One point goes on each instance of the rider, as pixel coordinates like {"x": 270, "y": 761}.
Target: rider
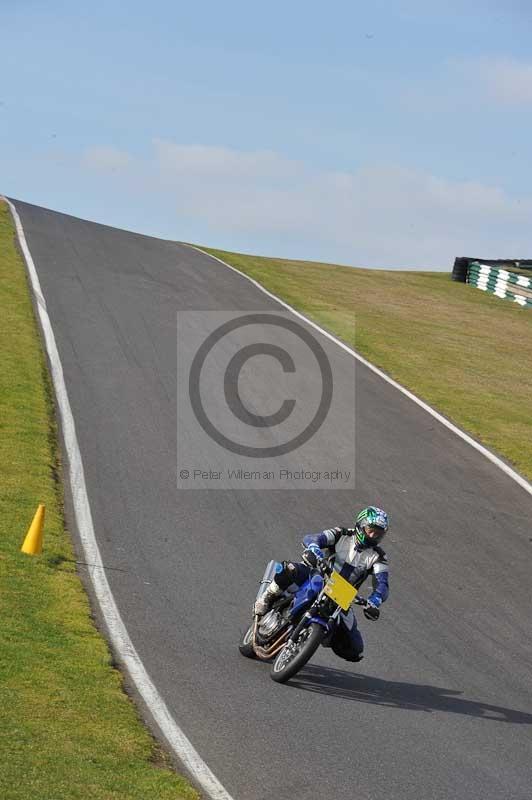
{"x": 357, "y": 555}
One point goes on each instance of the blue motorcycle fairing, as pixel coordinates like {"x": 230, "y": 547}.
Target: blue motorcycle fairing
{"x": 317, "y": 583}
{"x": 320, "y": 621}
{"x": 306, "y": 594}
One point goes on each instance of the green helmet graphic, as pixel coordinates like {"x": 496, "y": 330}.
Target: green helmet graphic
{"x": 371, "y": 525}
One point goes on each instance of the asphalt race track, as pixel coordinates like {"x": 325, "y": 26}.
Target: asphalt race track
{"x": 441, "y": 706}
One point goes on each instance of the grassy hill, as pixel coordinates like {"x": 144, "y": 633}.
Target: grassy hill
{"x": 467, "y": 353}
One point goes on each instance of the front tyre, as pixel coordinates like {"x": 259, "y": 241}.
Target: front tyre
{"x": 246, "y": 643}
{"x": 295, "y": 655}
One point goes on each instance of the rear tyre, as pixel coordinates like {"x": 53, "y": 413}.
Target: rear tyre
{"x": 295, "y": 655}
{"x": 246, "y": 643}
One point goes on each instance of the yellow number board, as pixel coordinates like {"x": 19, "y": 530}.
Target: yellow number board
{"x": 340, "y": 590}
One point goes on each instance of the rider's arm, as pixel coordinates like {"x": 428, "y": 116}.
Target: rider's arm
{"x": 327, "y": 538}
{"x": 380, "y": 582}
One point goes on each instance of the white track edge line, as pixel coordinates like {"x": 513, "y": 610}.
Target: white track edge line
{"x": 123, "y": 645}
{"x": 444, "y": 421}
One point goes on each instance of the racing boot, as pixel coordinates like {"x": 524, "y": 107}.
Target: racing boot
{"x": 263, "y": 603}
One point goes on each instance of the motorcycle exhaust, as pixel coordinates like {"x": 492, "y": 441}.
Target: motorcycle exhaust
{"x": 265, "y": 653}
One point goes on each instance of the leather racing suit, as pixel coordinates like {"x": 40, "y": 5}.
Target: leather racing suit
{"x": 355, "y": 564}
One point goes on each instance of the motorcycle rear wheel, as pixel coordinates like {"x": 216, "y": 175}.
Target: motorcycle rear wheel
{"x": 246, "y": 643}
{"x": 295, "y": 655}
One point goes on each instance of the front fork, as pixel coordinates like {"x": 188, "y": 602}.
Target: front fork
{"x": 309, "y": 617}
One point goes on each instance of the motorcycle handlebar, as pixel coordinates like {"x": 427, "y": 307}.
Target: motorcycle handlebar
{"x": 324, "y": 566}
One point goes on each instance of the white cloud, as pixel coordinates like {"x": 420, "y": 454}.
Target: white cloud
{"x": 504, "y": 81}
{"x": 381, "y": 215}
{"x": 224, "y": 162}
{"x": 106, "y": 159}
{"x": 507, "y": 81}
{"x": 469, "y": 85}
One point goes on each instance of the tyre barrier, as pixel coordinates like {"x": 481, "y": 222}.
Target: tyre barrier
{"x": 500, "y": 282}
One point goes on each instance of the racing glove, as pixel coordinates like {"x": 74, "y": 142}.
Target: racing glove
{"x": 371, "y": 611}
{"x": 312, "y": 555}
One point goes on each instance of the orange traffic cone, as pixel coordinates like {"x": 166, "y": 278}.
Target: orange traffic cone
{"x": 33, "y": 542}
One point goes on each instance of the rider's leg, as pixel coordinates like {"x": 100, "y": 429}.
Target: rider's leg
{"x": 289, "y": 576}
{"x": 347, "y": 640}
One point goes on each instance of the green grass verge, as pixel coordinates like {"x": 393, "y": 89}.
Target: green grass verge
{"x": 467, "y": 353}
{"x": 67, "y": 728}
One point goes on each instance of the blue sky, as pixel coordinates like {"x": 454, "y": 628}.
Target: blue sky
{"x": 396, "y": 135}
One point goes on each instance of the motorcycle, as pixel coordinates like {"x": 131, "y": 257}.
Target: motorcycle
{"x": 295, "y": 626}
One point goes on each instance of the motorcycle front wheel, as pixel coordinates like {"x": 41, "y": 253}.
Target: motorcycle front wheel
{"x": 295, "y": 655}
